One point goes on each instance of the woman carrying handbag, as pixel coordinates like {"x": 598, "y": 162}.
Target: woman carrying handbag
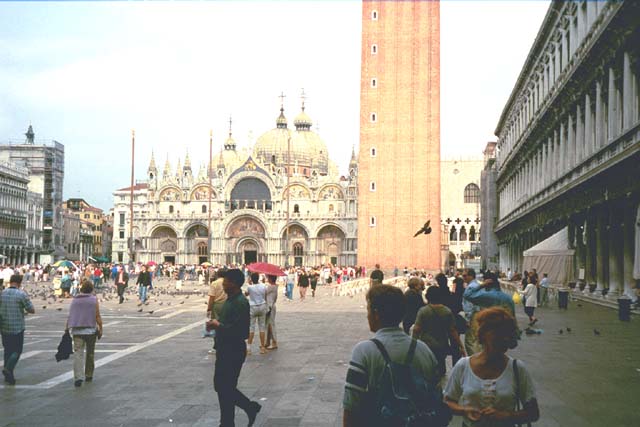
{"x": 486, "y": 389}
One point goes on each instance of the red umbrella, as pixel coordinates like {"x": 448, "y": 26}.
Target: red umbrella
{"x": 152, "y": 263}
{"x": 266, "y": 268}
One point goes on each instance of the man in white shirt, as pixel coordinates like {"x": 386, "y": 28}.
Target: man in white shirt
{"x": 6, "y": 276}
{"x": 544, "y": 290}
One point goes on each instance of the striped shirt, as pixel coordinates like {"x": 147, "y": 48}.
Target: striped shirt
{"x": 367, "y": 364}
{"x": 13, "y": 304}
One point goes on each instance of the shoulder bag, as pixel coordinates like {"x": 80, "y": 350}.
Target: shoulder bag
{"x": 517, "y": 377}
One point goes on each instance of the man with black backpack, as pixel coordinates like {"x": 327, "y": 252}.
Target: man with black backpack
{"x": 392, "y": 378}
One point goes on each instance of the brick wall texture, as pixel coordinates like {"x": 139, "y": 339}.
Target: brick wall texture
{"x": 405, "y": 135}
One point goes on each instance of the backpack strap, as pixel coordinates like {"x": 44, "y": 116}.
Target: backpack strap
{"x": 412, "y": 352}
{"x": 517, "y": 380}
{"x": 382, "y": 350}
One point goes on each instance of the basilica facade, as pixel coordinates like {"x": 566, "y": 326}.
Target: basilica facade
{"x": 282, "y": 201}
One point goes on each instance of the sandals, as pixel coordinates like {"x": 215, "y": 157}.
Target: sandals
{"x": 263, "y": 350}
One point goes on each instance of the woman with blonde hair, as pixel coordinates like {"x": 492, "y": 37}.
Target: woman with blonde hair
{"x": 490, "y": 389}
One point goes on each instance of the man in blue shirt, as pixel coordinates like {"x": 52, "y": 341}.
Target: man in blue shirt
{"x": 470, "y": 340}
{"x": 481, "y": 296}
{"x": 14, "y": 302}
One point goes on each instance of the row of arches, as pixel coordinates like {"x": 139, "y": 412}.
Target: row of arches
{"x": 245, "y": 240}
{"x": 246, "y": 224}
{"x": 462, "y": 235}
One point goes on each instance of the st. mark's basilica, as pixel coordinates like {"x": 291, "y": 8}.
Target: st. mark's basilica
{"x": 281, "y": 201}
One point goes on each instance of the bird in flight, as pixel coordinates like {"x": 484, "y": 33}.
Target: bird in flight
{"x": 426, "y": 229}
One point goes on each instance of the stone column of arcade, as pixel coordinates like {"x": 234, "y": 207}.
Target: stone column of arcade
{"x": 602, "y": 249}
{"x": 616, "y": 243}
{"x": 589, "y": 244}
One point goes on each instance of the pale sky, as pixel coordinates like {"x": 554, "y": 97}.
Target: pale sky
{"x": 85, "y": 74}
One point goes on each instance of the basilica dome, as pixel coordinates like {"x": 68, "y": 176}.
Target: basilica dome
{"x": 306, "y": 147}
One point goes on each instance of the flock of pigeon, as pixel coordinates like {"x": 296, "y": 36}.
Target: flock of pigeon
{"x": 161, "y": 294}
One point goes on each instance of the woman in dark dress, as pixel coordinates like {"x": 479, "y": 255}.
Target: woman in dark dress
{"x": 414, "y": 300}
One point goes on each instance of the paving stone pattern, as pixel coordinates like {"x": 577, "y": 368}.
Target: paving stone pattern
{"x": 582, "y": 379}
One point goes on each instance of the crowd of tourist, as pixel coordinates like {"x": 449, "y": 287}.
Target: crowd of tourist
{"x": 415, "y": 332}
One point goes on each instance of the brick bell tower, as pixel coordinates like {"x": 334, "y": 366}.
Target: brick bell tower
{"x": 399, "y": 156}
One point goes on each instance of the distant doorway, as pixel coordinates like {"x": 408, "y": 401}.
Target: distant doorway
{"x": 202, "y": 259}
{"x": 170, "y": 259}
{"x": 250, "y": 257}
{"x": 334, "y": 260}
{"x": 297, "y": 261}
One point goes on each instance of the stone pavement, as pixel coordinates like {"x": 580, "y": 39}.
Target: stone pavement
{"x": 154, "y": 370}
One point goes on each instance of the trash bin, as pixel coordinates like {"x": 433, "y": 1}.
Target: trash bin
{"x": 563, "y": 298}
{"x": 624, "y": 308}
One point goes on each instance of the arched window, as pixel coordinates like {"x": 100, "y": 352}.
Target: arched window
{"x": 471, "y": 194}
{"x": 453, "y": 235}
{"x": 202, "y": 249}
{"x": 204, "y": 208}
{"x": 170, "y": 208}
{"x": 298, "y": 249}
{"x": 296, "y": 209}
{"x": 463, "y": 234}
{"x": 472, "y": 234}
{"x": 374, "y": 15}
{"x": 250, "y": 193}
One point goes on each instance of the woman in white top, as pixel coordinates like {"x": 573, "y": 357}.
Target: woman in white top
{"x": 488, "y": 388}
{"x": 257, "y": 293}
{"x": 530, "y": 300}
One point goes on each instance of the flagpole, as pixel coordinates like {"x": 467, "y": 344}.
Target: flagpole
{"x": 210, "y": 191}
{"x": 131, "y": 243}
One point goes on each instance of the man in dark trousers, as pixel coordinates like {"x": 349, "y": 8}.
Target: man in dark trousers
{"x": 121, "y": 280}
{"x": 14, "y": 303}
{"x": 232, "y": 329}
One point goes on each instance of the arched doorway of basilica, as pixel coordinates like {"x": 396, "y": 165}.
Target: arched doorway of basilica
{"x": 330, "y": 243}
{"x": 164, "y": 244}
{"x": 248, "y": 249}
{"x": 296, "y": 243}
{"x": 196, "y": 244}
{"x": 245, "y": 241}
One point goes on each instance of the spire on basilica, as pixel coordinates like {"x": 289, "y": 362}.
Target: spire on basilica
{"x": 167, "y": 169}
{"x": 187, "y": 162}
{"x": 302, "y": 120}
{"x": 281, "y": 121}
{"x": 152, "y": 164}
{"x": 230, "y": 144}
{"x": 354, "y": 161}
{"x": 179, "y": 169}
